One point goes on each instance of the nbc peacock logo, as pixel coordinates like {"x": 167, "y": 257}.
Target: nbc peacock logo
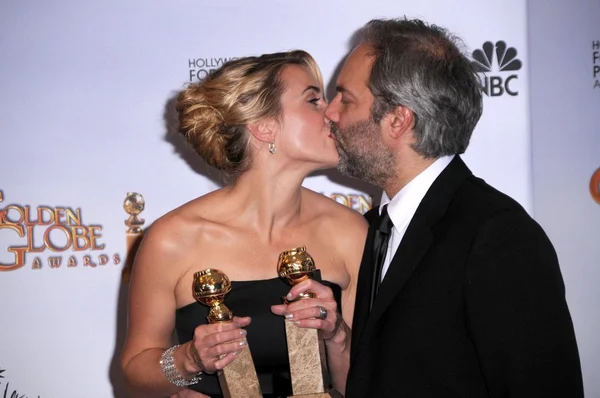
{"x": 502, "y": 64}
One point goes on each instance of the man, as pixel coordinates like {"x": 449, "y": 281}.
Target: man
{"x": 471, "y": 301}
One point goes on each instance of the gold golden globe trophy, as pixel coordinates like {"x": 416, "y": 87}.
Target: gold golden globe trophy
{"x": 306, "y": 349}
{"x": 238, "y": 379}
{"x": 133, "y": 204}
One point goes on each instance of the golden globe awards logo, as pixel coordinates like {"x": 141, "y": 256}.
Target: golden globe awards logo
{"x": 595, "y": 186}
{"x": 199, "y": 68}
{"x": 360, "y": 203}
{"x": 596, "y": 63}
{"x": 51, "y": 229}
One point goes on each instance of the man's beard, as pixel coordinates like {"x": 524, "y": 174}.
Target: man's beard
{"x": 363, "y": 154}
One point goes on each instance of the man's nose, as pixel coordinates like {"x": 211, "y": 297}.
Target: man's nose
{"x": 331, "y": 112}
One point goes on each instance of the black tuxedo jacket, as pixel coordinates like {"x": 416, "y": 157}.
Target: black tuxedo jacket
{"x": 472, "y": 305}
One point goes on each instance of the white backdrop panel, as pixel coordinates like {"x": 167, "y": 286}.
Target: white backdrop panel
{"x": 565, "y": 113}
{"x": 86, "y": 91}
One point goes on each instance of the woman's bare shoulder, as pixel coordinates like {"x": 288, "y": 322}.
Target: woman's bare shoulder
{"x": 338, "y": 215}
{"x": 184, "y": 225}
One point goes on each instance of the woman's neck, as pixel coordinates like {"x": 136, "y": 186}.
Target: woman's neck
{"x": 269, "y": 200}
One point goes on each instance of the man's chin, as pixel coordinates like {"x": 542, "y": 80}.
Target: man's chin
{"x": 344, "y": 170}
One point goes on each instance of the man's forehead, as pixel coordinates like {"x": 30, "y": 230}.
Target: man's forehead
{"x": 357, "y": 66}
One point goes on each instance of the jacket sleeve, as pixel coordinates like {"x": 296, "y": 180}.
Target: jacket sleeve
{"x": 516, "y": 311}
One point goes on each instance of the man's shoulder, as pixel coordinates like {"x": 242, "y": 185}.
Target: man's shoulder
{"x": 477, "y": 196}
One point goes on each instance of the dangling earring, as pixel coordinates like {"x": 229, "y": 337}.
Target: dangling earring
{"x": 272, "y": 148}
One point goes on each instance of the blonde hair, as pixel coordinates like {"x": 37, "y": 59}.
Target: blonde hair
{"x": 214, "y": 113}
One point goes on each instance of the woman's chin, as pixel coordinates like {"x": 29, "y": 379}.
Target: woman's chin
{"x": 330, "y": 164}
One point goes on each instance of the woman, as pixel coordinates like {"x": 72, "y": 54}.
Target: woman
{"x": 261, "y": 120}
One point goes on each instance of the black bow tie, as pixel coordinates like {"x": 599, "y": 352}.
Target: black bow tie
{"x": 380, "y": 246}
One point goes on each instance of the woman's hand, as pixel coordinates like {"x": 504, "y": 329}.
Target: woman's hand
{"x": 216, "y": 345}
{"x": 320, "y": 312}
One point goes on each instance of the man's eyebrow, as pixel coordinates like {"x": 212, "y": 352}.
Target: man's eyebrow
{"x": 343, "y": 90}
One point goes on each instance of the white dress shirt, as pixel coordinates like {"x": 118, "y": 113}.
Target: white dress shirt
{"x": 403, "y": 206}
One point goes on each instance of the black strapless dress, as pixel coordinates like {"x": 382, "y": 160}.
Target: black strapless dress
{"x": 266, "y": 332}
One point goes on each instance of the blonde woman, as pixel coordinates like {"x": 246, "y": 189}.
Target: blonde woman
{"x": 261, "y": 120}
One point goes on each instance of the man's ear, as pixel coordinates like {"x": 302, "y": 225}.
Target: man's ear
{"x": 264, "y": 130}
{"x": 400, "y": 121}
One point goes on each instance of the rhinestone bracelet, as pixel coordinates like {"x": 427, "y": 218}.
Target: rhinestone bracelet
{"x": 167, "y": 363}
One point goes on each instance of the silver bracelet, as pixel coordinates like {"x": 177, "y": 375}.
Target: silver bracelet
{"x": 167, "y": 363}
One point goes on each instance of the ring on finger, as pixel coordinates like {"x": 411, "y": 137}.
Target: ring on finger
{"x": 322, "y": 312}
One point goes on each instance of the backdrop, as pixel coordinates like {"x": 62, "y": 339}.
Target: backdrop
{"x": 565, "y": 114}
{"x": 86, "y": 108}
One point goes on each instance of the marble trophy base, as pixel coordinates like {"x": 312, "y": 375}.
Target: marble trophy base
{"x": 306, "y": 352}
{"x": 239, "y": 379}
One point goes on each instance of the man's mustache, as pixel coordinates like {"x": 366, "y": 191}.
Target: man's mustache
{"x": 334, "y": 128}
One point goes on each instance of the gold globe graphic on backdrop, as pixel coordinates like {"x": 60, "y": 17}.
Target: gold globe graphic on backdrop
{"x": 134, "y": 204}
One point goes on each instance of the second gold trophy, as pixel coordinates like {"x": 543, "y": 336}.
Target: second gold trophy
{"x": 306, "y": 349}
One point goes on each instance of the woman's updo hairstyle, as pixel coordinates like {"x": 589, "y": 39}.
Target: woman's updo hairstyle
{"x": 214, "y": 113}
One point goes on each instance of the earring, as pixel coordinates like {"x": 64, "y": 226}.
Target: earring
{"x": 272, "y": 148}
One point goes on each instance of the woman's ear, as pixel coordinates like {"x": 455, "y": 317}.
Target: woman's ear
{"x": 263, "y": 130}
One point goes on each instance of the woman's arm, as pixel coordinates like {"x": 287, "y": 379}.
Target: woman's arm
{"x": 159, "y": 263}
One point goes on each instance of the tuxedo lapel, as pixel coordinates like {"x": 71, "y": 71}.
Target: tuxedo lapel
{"x": 416, "y": 241}
{"x": 415, "y": 244}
